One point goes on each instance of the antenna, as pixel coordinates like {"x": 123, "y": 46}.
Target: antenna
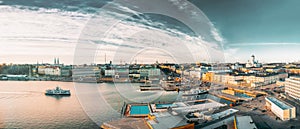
{"x": 105, "y": 59}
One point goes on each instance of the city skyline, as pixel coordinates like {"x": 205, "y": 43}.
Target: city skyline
{"x": 150, "y": 64}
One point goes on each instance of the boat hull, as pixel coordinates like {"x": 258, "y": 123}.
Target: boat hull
{"x": 57, "y": 94}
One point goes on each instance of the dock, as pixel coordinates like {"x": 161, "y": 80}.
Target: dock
{"x": 249, "y": 93}
{"x": 228, "y": 97}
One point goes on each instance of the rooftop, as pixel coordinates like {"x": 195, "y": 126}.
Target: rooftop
{"x": 126, "y": 123}
{"x": 209, "y": 104}
{"x": 165, "y": 120}
{"x": 223, "y": 114}
{"x": 245, "y": 122}
{"x": 280, "y": 104}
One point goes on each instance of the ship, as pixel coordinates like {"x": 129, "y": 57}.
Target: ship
{"x": 58, "y": 91}
{"x": 148, "y": 86}
{"x": 195, "y": 92}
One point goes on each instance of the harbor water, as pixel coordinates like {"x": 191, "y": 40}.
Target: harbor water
{"x": 24, "y": 104}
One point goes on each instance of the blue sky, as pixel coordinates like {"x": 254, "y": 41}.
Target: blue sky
{"x": 254, "y": 21}
{"x": 269, "y": 29}
{"x": 37, "y": 31}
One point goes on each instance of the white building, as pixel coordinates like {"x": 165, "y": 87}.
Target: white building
{"x": 280, "y": 109}
{"x": 41, "y": 70}
{"x": 109, "y": 72}
{"x": 52, "y": 70}
{"x": 292, "y": 87}
{"x": 253, "y": 63}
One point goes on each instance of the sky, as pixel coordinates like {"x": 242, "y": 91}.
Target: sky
{"x": 268, "y": 29}
{"x": 181, "y": 31}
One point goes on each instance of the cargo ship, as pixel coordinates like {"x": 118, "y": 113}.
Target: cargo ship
{"x": 58, "y": 91}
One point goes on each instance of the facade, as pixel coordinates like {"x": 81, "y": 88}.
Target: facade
{"x": 66, "y": 71}
{"x": 292, "y": 87}
{"x": 41, "y": 70}
{"x": 280, "y": 109}
{"x": 121, "y": 71}
{"x": 85, "y": 73}
{"x": 253, "y": 80}
{"x": 52, "y": 70}
{"x": 152, "y": 72}
{"x": 109, "y": 72}
{"x": 293, "y": 70}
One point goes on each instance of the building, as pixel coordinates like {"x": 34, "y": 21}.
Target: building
{"x": 41, "y": 70}
{"x": 253, "y": 63}
{"x": 292, "y": 87}
{"x": 280, "y": 109}
{"x": 52, "y": 70}
{"x": 16, "y": 77}
{"x": 121, "y": 71}
{"x": 129, "y": 123}
{"x": 253, "y": 80}
{"x": 149, "y": 72}
{"x": 85, "y": 73}
{"x": 66, "y": 71}
{"x": 244, "y": 122}
{"x": 109, "y": 73}
{"x": 166, "y": 120}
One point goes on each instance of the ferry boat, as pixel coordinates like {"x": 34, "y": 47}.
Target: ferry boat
{"x": 57, "y": 91}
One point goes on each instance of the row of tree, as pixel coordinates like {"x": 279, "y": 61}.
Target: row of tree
{"x": 14, "y": 69}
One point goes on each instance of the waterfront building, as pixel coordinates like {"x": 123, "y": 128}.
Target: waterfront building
{"x": 52, "y": 70}
{"x": 292, "y": 87}
{"x": 109, "y": 72}
{"x": 149, "y": 72}
{"x": 66, "y": 71}
{"x": 282, "y": 110}
{"x": 121, "y": 71}
{"x": 134, "y": 72}
{"x": 41, "y": 70}
{"x": 83, "y": 73}
{"x": 16, "y": 77}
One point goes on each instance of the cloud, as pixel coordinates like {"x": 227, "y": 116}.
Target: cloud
{"x": 215, "y": 33}
{"x": 26, "y": 26}
{"x": 230, "y": 54}
{"x": 262, "y": 44}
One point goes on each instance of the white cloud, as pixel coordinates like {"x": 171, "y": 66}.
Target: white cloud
{"x": 217, "y": 35}
{"x": 231, "y": 55}
{"x": 262, "y": 44}
{"x": 60, "y": 27}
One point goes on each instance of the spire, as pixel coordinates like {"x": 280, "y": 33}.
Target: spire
{"x": 54, "y": 60}
{"x": 105, "y": 59}
{"x": 57, "y": 61}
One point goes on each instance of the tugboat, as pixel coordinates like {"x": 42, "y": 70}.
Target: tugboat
{"x": 58, "y": 91}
